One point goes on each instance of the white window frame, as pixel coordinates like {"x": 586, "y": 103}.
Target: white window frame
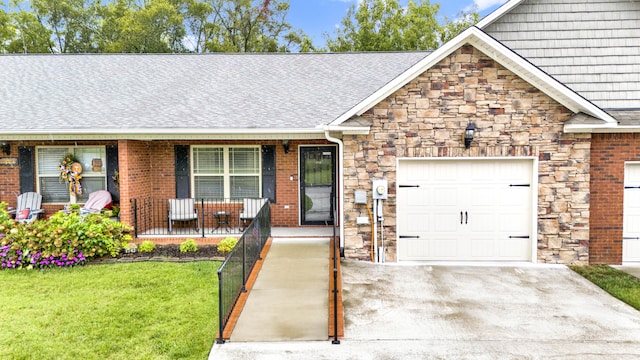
{"x": 226, "y": 174}
{"x": 86, "y": 173}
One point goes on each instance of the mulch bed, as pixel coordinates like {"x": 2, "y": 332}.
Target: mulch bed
{"x": 167, "y": 253}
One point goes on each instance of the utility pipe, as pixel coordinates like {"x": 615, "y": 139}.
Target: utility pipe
{"x": 341, "y": 183}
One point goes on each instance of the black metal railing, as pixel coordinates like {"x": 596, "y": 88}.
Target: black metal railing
{"x": 193, "y": 216}
{"x": 335, "y": 259}
{"x": 235, "y": 271}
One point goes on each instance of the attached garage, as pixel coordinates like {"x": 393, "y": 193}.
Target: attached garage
{"x": 466, "y": 209}
{"x": 631, "y": 221}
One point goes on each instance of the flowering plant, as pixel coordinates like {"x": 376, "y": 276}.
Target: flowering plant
{"x": 63, "y": 240}
{"x": 70, "y": 170}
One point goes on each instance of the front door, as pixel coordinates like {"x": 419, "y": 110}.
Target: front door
{"x": 317, "y": 184}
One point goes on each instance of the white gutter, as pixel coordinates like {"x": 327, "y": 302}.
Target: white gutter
{"x": 341, "y": 187}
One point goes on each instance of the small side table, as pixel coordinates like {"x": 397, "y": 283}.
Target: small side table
{"x": 222, "y": 219}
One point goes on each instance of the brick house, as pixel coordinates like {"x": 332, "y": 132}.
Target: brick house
{"x": 380, "y": 134}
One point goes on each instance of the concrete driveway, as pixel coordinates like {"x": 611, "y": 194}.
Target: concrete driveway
{"x": 466, "y": 312}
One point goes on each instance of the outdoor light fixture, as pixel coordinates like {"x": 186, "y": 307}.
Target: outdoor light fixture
{"x": 6, "y": 147}
{"x": 468, "y": 135}
{"x": 285, "y": 146}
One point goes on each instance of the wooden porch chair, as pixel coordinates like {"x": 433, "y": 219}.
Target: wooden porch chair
{"x": 250, "y": 209}
{"x": 183, "y": 210}
{"x": 28, "y": 208}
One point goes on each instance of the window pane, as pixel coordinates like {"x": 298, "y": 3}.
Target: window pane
{"x": 89, "y": 185}
{"x": 49, "y": 160}
{"x": 244, "y": 187}
{"x": 209, "y": 187}
{"x": 53, "y": 191}
{"x": 208, "y": 161}
{"x": 244, "y": 160}
{"x": 86, "y": 155}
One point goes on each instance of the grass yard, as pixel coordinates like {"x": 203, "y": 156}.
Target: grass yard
{"x": 147, "y": 310}
{"x": 617, "y": 283}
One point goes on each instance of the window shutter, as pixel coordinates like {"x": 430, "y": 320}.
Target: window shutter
{"x": 26, "y": 163}
{"x": 182, "y": 171}
{"x": 269, "y": 172}
{"x": 112, "y": 167}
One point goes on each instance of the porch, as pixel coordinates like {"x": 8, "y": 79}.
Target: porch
{"x": 202, "y": 218}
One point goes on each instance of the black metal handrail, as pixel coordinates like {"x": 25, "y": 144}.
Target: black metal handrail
{"x": 236, "y": 269}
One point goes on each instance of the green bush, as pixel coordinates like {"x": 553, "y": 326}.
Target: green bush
{"x": 65, "y": 239}
{"x": 227, "y": 244}
{"x": 188, "y": 245}
{"x": 146, "y": 246}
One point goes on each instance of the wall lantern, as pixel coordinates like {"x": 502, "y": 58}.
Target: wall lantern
{"x": 6, "y": 147}
{"x": 469, "y": 132}
{"x": 285, "y": 146}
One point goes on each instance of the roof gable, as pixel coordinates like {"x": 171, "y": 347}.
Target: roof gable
{"x": 500, "y": 54}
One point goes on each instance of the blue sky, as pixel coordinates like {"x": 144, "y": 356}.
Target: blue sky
{"x": 316, "y": 17}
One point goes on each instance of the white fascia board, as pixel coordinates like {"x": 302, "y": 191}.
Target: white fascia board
{"x": 608, "y": 129}
{"x": 497, "y": 13}
{"x": 165, "y": 134}
{"x": 499, "y": 53}
{"x": 349, "y": 130}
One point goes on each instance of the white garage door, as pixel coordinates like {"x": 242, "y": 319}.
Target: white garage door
{"x": 464, "y": 210}
{"x": 631, "y": 221}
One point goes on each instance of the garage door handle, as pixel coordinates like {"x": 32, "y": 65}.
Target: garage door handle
{"x": 519, "y": 237}
{"x": 466, "y": 217}
{"x": 632, "y": 187}
{"x": 461, "y": 218}
{"x": 630, "y": 238}
{"x": 409, "y": 237}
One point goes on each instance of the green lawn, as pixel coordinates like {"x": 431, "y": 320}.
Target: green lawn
{"x": 617, "y": 283}
{"x": 147, "y": 310}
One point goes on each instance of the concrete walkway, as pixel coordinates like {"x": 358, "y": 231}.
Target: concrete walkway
{"x": 289, "y": 300}
{"x": 466, "y": 312}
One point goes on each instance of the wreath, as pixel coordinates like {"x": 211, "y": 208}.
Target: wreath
{"x": 70, "y": 170}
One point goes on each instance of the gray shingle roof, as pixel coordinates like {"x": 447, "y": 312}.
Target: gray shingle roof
{"x": 120, "y": 93}
{"x": 592, "y": 46}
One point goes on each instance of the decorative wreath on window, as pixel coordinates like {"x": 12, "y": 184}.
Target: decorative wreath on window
{"x": 70, "y": 170}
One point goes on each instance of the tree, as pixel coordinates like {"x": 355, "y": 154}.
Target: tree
{"x": 152, "y": 26}
{"x": 384, "y": 25}
{"x": 72, "y": 23}
{"x": 156, "y": 26}
{"x": 242, "y": 26}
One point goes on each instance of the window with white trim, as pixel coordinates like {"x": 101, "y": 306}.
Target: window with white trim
{"x": 93, "y": 178}
{"x": 226, "y": 172}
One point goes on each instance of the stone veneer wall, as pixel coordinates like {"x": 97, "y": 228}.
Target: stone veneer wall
{"x": 426, "y": 118}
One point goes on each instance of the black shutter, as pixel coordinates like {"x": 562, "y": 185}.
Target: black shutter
{"x": 112, "y": 167}
{"x": 182, "y": 171}
{"x": 26, "y": 157}
{"x": 269, "y": 172}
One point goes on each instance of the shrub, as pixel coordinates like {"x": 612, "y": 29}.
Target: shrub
{"x": 227, "y": 244}
{"x": 65, "y": 239}
{"x": 146, "y": 246}
{"x": 188, "y": 245}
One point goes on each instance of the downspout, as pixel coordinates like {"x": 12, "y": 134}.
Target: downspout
{"x": 341, "y": 186}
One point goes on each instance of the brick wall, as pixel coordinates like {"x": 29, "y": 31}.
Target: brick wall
{"x": 609, "y": 153}
{"x": 426, "y": 118}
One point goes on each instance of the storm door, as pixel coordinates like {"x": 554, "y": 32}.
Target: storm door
{"x": 317, "y": 184}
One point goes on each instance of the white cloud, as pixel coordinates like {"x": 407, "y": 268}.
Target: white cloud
{"x": 484, "y": 4}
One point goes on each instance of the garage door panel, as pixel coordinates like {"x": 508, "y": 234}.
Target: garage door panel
{"x": 492, "y": 210}
{"x": 631, "y": 218}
